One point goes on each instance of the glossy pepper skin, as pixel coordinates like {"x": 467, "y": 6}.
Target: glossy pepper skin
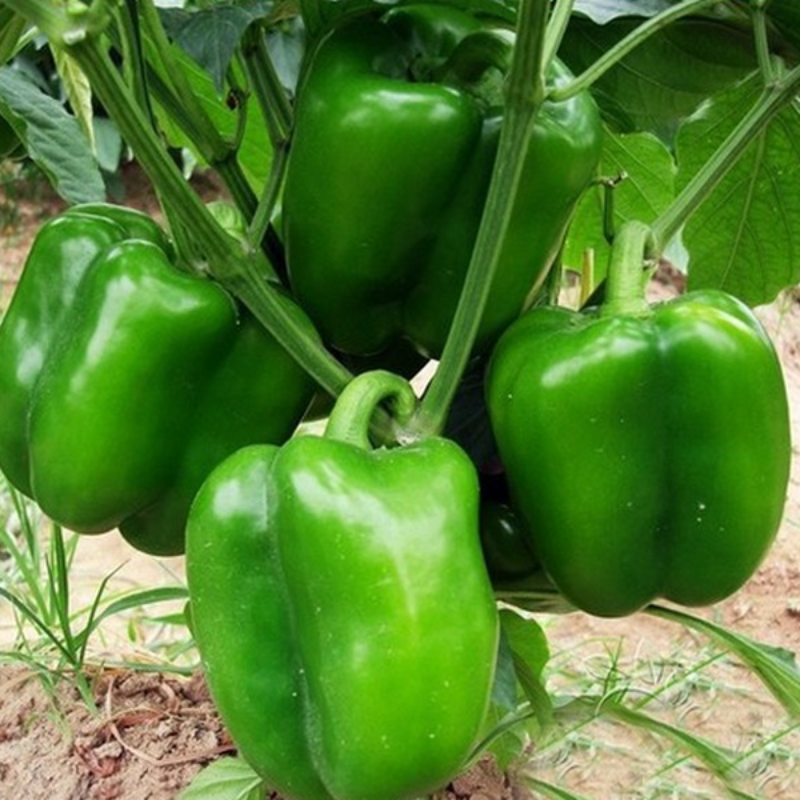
{"x": 396, "y": 130}
{"x": 343, "y": 613}
{"x": 648, "y": 455}
{"x": 124, "y": 381}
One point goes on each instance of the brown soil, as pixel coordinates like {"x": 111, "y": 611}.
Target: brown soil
{"x": 151, "y": 732}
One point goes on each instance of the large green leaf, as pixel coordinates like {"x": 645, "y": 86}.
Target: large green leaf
{"x": 745, "y": 238}
{"x": 52, "y": 137}
{"x": 647, "y": 188}
{"x": 665, "y": 79}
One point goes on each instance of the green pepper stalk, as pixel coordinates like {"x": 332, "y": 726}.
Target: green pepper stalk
{"x": 525, "y": 95}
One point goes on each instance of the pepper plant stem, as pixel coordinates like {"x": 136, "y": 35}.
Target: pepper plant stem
{"x": 240, "y": 272}
{"x": 630, "y": 42}
{"x": 269, "y": 92}
{"x": 524, "y": 97}
{"x": 278, "y": 113}
{"x": 775, "y": 96}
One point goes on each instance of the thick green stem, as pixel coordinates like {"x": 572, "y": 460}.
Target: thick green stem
{"x": 132, "y": 60}
{"x": 355, "y": 409}
{"x": 160, "y": 168}
{"x": 524, "y": 97}
{"x": 621, "y": 49}
{"x": 219, "y": 155}
{"x": 627, "y": 276}
{"x": 239, "y": 271}
{"x": 774, "y": 98}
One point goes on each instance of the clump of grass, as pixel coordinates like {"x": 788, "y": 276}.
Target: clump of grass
{"x": 718, "y": 716}
{"x": 50, "y": 636}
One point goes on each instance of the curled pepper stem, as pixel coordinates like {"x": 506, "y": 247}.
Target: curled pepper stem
{"x": 627, "y": 273}
{"x": 352, "y": 416}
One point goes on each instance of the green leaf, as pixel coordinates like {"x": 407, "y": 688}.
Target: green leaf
{"x": 504, "y": 689}
{"x": 77, "y": 89}
{"x": 603, "y": 11}
{"x": 527, "y": 640}
{"x": 286, "y": 44}
{"x": 785, "y": 16}
{"x": 225, "y": 779}
{"x": 108, "y": 144}
{"x": 528, "y": 645}
{"x": 665, "y": 79}
{"x": 776, "y": 667}
{"x": 745, "y": 238}
{"x": 645, "y": 192}
{"x": 53, "y": 138}
{"x": 210, "y": 36}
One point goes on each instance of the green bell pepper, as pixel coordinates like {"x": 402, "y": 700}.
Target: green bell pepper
{"x": 647, "y": 448}
{"x": 342, "y": 607}
{"x": 396, "y": 131}
{"x": 504, "y": 543}
{"x": 124, "y": 381}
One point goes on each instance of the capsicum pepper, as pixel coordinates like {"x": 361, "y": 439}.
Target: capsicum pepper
{"x": 123, "y": 380}
{"x": 396, "y": 130}
{"x": 647, "y": 448}
{"x": 342, "y": 607}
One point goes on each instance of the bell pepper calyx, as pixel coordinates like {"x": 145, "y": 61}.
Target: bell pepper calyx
{"x": 352, "y": 415}
{"x": 629, "y": 269}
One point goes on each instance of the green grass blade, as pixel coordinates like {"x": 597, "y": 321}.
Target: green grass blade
{"x": 715, "y": 758}
{"x": 549, "y": 790}
{"x": 58, "y": 573}
{"x": 83, "y": 637}
{"x": 138, "y": 599}
{"x": 22, "y": 506}
{"x": 25, "y": 561}
{"x": 776, "y": 668}
{"x": 36, "y": 620}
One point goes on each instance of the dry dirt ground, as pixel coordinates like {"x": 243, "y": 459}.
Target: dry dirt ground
{"x": 150, "y": 732}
